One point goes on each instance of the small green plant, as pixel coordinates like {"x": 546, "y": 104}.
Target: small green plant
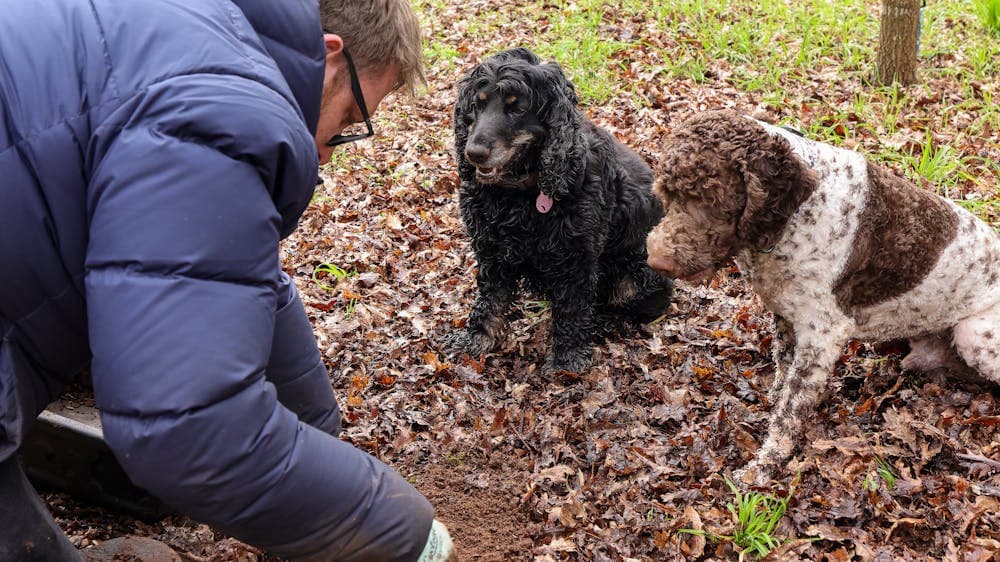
{"x": 983, "y": 59}
{"x": 441, "y": 55}
{"x": 882, "y": 472}
{"x": 989, "y": 14}
{"x": 757, "y": 516}
{"x": 870, "y": 483}
{"x": 694, "y": 67}
{"x": 939, "y": 165}
{"x": 936, "y": 164}
{"x": 327, "y": 270}
{"x": 534, "y": 309}
{"x": 352, "y": 305}
{"x": 895, "y": 101}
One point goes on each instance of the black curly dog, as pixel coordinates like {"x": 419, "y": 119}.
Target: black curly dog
{"x": 551, "y": 200}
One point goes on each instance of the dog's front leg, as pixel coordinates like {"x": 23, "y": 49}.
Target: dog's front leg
{"x": 803, "y": 385}
{"x": 782, "y": 353}
{"x": 572, "y": 323}
{"x": 495, "y": 291}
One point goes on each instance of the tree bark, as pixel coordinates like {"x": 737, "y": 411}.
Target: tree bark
{"x": 898, "y": 39}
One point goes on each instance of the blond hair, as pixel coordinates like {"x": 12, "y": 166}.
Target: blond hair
{"x": 379, "y": 33}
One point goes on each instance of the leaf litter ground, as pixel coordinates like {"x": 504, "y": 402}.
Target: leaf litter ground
{"x": 609, "y": 465}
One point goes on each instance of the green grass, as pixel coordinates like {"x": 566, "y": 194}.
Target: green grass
{"x": 783, "y": 41}
{"x": 810, "y": 61}
{"x": 985, "y": 59}
{"x": 455, "y": 458}
{"x": 771, "y": 37}
{"x": 938, "y": 164}
{"x": 988, "y": 12}
{"x": 756, "y": 517}
{"x": 588, "y": 55}
{"x": 770, "y": 46}
{"x": 988, "y": 210}
{"x": 894, "y": 103}
{"x": 692, "y": 66}
{"x": 441, "y": 55}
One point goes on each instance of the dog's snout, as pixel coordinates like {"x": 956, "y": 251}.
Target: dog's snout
{"x": 661, "y": 250}
{"x": 665, "y": 264}
{"x": 477, "y": 153}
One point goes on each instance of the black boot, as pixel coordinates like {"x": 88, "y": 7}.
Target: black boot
{"x": 28, "y": 533}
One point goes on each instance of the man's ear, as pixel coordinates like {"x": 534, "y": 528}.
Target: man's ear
{"x": 334, "y": 50}
{"x": 334, "y": 44}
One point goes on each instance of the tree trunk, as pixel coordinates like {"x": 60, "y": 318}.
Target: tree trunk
{"x": 897, "y": 43}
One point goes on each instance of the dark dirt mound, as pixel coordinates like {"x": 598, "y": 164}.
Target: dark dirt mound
{"x": 481, "y": 508}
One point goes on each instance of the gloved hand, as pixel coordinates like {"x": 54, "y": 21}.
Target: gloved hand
{"x": 439, "y": 547}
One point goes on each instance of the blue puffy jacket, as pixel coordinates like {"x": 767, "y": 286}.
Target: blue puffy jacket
{"x": 152, "y": 155}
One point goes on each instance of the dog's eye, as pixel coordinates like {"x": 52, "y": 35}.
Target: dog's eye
{"x": 512, "y": 105}
{"x": 479, "y": 102}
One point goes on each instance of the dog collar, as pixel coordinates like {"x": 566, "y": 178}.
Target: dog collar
{"x": 801, "y": 146}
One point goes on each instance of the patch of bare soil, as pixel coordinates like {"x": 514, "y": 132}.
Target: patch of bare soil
{"x": 480, "y": 505}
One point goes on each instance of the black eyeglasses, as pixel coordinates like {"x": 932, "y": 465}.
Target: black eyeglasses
{"x": 359, "y": 98}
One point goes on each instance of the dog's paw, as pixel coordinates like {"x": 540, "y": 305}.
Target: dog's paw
{"x": 654, "y": 304}
{"x": 577, "y": 360}
{"x": 473, "y": 343}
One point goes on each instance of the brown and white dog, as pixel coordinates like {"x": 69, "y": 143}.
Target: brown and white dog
{"x": 835, "y": 246}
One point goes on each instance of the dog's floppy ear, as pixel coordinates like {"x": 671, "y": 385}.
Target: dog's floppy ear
{"x": 562, "y": 152}
{"x": 756, "y": 198}
{"x": 776, "y": 183}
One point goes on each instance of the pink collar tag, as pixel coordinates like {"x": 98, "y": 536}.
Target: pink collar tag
{"x": 543, "y": 203}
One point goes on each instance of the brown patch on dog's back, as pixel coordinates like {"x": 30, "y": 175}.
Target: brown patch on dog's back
{"x": 901, "y": 234}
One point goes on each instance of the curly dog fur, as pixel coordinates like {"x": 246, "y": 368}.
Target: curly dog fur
{"x": 552, "y": 201}
{"x": 835, "y": 246}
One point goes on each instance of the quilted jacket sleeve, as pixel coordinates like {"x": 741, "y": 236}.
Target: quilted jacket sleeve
{"x": 295, "y": 367}
{"x": 188, "y": 312}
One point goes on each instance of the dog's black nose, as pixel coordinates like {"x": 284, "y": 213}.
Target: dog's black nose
{"x": 477, "y": 153}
